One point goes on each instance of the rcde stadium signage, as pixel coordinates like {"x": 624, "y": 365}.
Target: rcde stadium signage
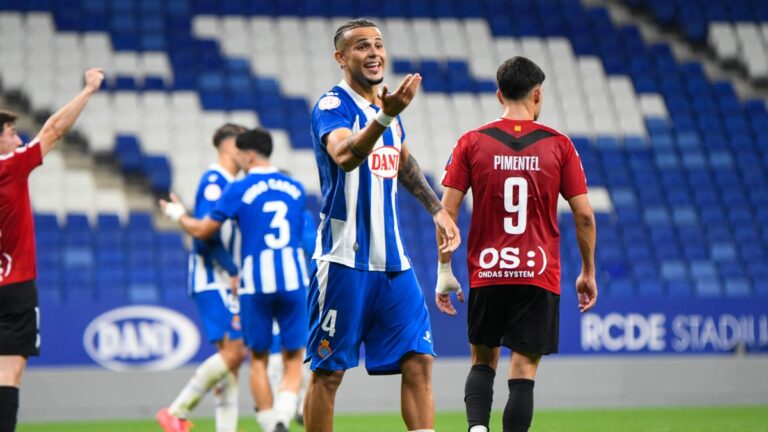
{"x": 691, "y": 326}
{"x": 682, "y": 333}
{"x": 146, "y": 338}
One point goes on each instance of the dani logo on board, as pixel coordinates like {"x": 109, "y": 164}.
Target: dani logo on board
{"x": 145, "y": 338}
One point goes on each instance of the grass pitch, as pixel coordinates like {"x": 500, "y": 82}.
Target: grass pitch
{"x": 707, "y": 419}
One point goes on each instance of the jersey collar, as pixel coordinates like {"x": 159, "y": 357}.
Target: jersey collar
{"x": 360, "y": 101}
{"x": 224, "y": 173}
{"x": 263, "y": 170}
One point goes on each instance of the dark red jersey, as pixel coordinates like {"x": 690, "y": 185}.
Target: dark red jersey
{"x": 17, "y": 232}
{"x": 517, "y": 170}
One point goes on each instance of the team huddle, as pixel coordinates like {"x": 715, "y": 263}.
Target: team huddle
{"x": 264, "y": 290}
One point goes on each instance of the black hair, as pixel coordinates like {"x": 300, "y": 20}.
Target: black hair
{"x": 517, "y": 76}
{"x": 5, "y": 118}
{"x": 349, "y": 25}
{"x": 258, "y": 140}
{"x": 228, "y": 130}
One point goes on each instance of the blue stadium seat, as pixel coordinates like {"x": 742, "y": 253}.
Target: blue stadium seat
{"x": 45, "y": 222}
{"x": 621, "y": 288}
{"x": 674, "y": 271}
{"x": 77, "y": 258}
{"x": 128, "y": 152}
{"x": 708, "y": 289}
{"x": 723, "y": 252}
{"x": 703, "y": 270}
{"x": 143, "y": 293}
{"x": 680, "y": 289}
{"x": 738, "y": 287}
{"x": 651, "y": 288}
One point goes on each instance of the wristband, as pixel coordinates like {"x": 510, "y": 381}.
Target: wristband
{"x": 384, "y": 119}
{"x": 174, "y": 211}
{"x": 444, "y": 268}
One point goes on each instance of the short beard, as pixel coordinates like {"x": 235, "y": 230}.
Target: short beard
{"x": 375, "y": 82}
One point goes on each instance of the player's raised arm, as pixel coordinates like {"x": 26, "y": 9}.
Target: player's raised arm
{"x": 349, "y": 150}
{"x": 61, "y": 122}
{"x": 446, "y": 281}
{"x": 586, "y": 232}
{"x": 197, "y": 228}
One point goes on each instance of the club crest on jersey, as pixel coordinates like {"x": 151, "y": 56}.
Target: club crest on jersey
{"x": 329, "y": 102}
{"x": 212, "y": 192}
{"x": 324, "y": 350}
{"x": 384, "y": 162}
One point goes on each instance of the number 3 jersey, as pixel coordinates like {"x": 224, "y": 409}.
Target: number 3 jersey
{"x": 269, "y": 209}
{"x": 517, "y": 170}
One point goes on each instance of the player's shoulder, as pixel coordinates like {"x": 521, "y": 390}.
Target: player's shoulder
{"x": 216, "y": 174}
{"x": 472, "y": 135}
{"x": 554, "y": 132}
{"x": 331, "y": 100}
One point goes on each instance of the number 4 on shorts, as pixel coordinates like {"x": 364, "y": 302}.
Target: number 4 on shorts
{"x": 329, "y": 323}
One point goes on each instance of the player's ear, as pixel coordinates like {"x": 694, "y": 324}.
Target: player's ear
{"x": 339, "y": 57}
{"x": 537, "y": 94}
{"x": 499, "y": 96}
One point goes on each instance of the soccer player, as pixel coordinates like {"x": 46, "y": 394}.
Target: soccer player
{"x": 268, "y": 207}
{"x": 363, "y": 289}
{"x": 19, "y": 313}
{"x": 212, "y": 272}
{"x": 516, "y": 168}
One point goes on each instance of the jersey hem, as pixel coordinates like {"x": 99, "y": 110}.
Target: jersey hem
{"x": 496, "y": 283}
{"x": 361, "y": 266}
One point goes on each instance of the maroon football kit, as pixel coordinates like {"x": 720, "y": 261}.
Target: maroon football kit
{"x": 516, "y": 170}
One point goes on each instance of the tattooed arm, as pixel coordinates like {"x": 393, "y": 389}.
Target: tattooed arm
{"x": 412, "y": 177}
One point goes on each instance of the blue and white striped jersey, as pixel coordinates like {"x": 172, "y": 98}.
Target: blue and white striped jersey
{"x": 359, "y": 225}
{"x": 269, "y": 209}
{"x": 212, "y": 260}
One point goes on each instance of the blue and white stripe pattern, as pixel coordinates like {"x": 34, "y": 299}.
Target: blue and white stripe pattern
{"x": 269, "y": 209}
{"x": 359, "y": 225}
{"x": 206, "y": 272}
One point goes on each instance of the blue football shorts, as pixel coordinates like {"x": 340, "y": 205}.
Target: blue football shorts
{"x": 216, "y": 317}
{"x": 348, "y": 307}
{"x": 258, "y": 312}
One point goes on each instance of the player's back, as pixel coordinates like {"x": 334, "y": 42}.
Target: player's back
{"x": 270, "y": 216}
{"x": 517, "y": 170}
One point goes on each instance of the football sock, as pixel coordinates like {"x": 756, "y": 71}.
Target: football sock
{"x": 266, "y": 419}
{"x": 478, "y": 395}
{"x": 285, "y": 407}
{"x": 210, "y": 372}
{"x": 226, "y": 404}
{"x": 519, "y": 410}
{"x": 9, "y": 407}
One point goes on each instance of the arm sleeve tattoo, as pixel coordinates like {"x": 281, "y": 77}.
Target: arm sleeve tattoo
{"x": 411, "y": 176}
